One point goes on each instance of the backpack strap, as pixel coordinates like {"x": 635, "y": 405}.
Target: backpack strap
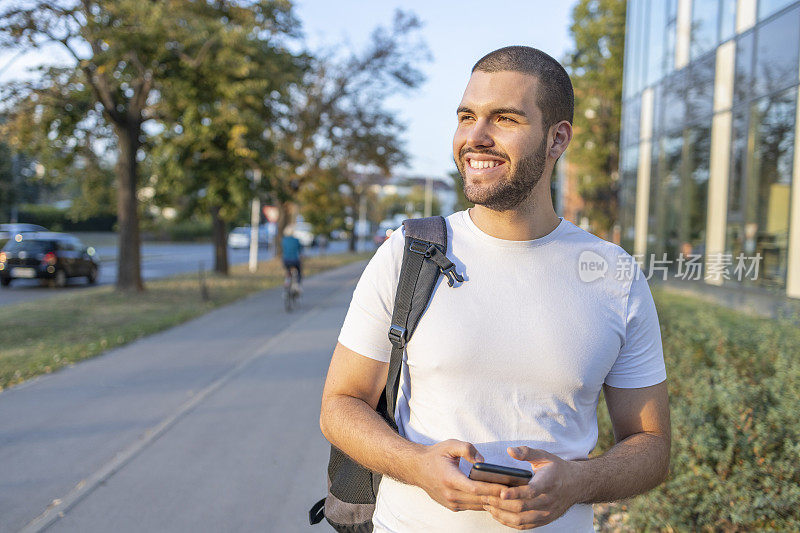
{"x": 423, "y": 260}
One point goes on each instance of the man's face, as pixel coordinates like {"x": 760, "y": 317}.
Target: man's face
{"x": 499, "y": 146}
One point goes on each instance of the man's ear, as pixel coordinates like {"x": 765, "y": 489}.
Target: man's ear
{"x": 560, "y": 135}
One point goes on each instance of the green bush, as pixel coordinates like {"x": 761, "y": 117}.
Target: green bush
{"x": 734, "y": 383}
{"x": 56, "y": 219}
{"x": 193, "y": 229}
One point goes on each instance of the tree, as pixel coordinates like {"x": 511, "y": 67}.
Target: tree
{"x": 123, "y": 49}
{"x": 595, "y": 66}
{"x": 216, "y": 116}
{"x": 341, "y": 130}
{"x": 458, "y": 184}
{"x": 54, "y": 121}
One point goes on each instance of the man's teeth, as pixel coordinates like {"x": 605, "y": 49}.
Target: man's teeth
{"x": 483, "y": 164}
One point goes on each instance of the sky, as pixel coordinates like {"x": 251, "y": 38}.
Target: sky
{"x": 457, "y": 35}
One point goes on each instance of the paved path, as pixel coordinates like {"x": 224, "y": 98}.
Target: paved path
{"x": 209, "y": 426}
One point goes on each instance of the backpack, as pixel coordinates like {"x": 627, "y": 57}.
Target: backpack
{"x": 352, "y": 489}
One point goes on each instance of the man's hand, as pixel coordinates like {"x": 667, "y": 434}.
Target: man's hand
{"x": 438, "y": 475}
{"x": 548, "y": 495}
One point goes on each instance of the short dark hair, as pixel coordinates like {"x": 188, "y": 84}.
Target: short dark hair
{"x": 556, "y": 99}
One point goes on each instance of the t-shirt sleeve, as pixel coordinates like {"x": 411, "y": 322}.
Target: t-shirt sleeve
{"x": 366, "y": 325}
{"x": 640, "y": 362}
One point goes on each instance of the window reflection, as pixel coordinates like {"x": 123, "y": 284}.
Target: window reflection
{"x": 764, "y": 227}
{"x": 743, "y": 78}
{"x": 705, "y": 26}
{"x": 675, "y": 99}
{"x": 679, "y": 193}
{"x": 695, "y": 189}
{"x": 778, "y": 46}
{"x": 700, "y": 93}
{"x": 655, "y": 63}
{"x": 768, "y": 7}
{"x": 738, "y": 166}
{"x": 665, "y": 195}
{"x": 727, "y": 18}
{"x": 631, "y": 117}
{"x": 629, "y": 163}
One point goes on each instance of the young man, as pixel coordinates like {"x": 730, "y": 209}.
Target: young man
{"x": 506, "y": 368}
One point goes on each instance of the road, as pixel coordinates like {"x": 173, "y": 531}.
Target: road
{"x": 210, "y": 426}
{"x": 159, "y": 260}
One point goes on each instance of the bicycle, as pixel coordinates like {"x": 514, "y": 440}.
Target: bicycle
{"x": 291, "y": 291}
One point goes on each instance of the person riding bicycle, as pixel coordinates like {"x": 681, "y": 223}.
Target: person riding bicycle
{"x": 292, "y": 253}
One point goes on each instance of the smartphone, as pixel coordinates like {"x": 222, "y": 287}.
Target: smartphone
{"x": 505, "y": 475}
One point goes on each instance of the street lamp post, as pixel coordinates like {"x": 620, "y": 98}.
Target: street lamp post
{"x": 255, "y": 219}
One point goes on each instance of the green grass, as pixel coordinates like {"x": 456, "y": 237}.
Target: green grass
{"x": 42, "y": 336}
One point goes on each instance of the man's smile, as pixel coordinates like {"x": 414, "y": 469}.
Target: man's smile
{"x": 483, "y": 164}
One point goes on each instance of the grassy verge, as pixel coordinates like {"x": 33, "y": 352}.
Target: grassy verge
{"x": 42, "y": 336}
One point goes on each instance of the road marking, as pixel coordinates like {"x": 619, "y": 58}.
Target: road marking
{"x": 60, "y": 506}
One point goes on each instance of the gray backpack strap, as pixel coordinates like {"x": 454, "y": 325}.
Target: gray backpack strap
{"x": 351, "y": 487}
{"x": 423, "y": 260}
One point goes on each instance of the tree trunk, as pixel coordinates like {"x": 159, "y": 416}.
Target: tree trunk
{"x": 220, "y": 239}
{"x": 129, "y": 269}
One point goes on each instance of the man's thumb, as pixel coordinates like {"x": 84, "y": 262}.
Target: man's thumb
{"x": 532, "y": 455}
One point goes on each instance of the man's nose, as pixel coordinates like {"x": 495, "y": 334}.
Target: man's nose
{"x": 479, "y": 135}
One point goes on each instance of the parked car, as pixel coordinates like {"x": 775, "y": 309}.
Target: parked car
{"x": 9, "y": 230}
{"x": 47, "y": 256}
{"x": 240, "y": 237}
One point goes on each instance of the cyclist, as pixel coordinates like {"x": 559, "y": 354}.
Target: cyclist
{"x": 292, "y": 253}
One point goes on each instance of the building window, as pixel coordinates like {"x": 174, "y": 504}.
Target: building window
{"x": 656, "y": 65}
{"x": 768, "y": 7}
{"x": 762, "y": 226}
{"x": 727, "y": 19}
{"x": 695, "y": 189}
{"x": 679, "y": 193}
{"x": 700, "y": 94}
{"x": 631, "y": 118}
{"x": 705, "y": 26}
{"x": 665, "y": 195}
{"x": 738, "y": 166}
{"x": 777, "y": 49}
{"x": 629, "y": 164}
{"x": 743, "y": 79}
{"x": 675, "y": 89}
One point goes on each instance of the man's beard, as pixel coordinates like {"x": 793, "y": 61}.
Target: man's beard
{"x": 511, "y": 190}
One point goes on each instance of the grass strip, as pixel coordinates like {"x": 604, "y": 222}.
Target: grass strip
{"x": 41, "y": 336}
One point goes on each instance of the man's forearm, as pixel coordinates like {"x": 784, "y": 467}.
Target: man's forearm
{"x": 354, "y": 427}
{"x": 632, "y": 466}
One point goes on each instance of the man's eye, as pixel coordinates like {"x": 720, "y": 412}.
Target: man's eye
{"x": 506, "y": 119}
{"x": 462, "y": 118}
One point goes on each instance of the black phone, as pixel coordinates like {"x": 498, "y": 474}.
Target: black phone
{"x": 505, "y": 475}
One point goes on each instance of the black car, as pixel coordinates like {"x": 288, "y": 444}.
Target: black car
{"x": 47, "y": 256}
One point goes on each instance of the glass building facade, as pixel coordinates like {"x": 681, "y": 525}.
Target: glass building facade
{"x": 710, "y": 147}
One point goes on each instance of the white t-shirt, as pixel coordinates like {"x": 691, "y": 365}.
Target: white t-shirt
{"x": 516, "y": 355}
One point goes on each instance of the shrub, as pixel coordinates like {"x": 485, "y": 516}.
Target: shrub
{"x": 734, "y": 384}
{"x": 56, "y": 219}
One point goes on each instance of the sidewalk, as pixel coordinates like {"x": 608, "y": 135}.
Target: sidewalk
{"x": 753, "y": 300}
{"x": 209, "y": 426}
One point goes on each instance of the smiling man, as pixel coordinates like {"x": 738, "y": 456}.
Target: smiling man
{"x": 508, "y": 368}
